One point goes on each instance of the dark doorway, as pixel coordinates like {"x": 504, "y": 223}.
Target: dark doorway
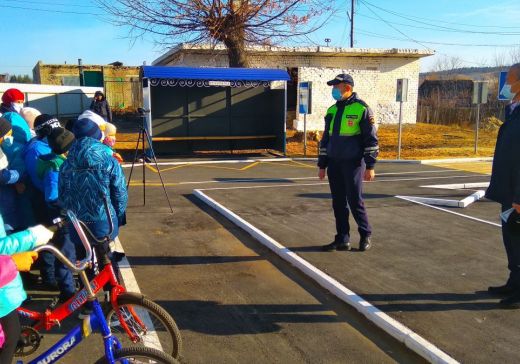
{"x": 292, "y": 95}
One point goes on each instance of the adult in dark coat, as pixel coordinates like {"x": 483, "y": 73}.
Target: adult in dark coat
{"x": 504, "y": 188}
{"x": 100, "y": 106}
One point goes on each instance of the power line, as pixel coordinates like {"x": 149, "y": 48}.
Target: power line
{"x": 52, "y": 4}
{"x": 412, "y": 18}
{"x": 438, "y": 43}
{"x": 391, "y": 26}
{"x": 443, "y": 29}
{"x": 49, "y": 11}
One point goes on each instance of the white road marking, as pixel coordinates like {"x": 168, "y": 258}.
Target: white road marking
{"x": 465, "y": 202}
{"x": 130, "y": 283}
{"x": 449, "y": 211}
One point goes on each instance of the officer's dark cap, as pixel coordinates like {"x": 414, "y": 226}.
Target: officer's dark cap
{"x": 342, "y": 77}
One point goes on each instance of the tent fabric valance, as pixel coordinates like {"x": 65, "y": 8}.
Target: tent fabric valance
{"x": 211, "y": 76}
{"x": 206, "y": 83}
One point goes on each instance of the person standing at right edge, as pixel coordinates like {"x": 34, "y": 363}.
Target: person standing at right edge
{"x": 348, "y": 152}
{"x": 504, "y": 188}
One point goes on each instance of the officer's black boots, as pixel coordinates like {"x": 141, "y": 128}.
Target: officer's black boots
{"x": 365, "y": 243}
{"x": 336, "y": 246}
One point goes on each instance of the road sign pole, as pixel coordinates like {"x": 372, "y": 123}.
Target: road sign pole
{"x": 477, "y": 124}
{"x": 400, "y": 130}
{"x": 401, "y": 96}
{"x": 305, "y": 135}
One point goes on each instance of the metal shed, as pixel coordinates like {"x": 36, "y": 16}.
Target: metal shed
{"x": 200, "y": 109}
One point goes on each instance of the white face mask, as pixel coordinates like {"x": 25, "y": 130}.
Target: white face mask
{"x": 17, "y": 106}
{"x": 507, "y": 93}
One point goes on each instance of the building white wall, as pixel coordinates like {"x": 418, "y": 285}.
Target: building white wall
{"x": 375, "y": 78}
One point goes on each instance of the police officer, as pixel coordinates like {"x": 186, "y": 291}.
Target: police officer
{"x": 348, "y": 152}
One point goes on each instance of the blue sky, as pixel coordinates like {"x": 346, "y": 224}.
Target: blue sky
{"x": 61, "y": 31}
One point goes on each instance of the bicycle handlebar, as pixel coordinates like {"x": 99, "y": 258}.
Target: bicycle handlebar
{"x": 81, "y": 265}
{"x": 78, "y": 226}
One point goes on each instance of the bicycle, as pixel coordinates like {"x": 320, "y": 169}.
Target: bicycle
{"x": 131, "y": 317}
{"x": 95, "y": 322}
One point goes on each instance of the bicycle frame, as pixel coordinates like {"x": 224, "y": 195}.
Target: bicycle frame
{"x": 95, "y": 322}
{"x": 49, "y": 319}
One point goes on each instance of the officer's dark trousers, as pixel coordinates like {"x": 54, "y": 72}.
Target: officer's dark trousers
{"x": 512, "y": 245}
{"x": 346, "y": 182}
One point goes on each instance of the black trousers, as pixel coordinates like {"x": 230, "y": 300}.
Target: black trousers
{"x": 346, "y": 187}
{"x": 11, "y": 326}
{"x": 512, "y": 245}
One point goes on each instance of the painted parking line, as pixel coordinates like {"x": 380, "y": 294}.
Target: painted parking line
{"x": 152, "y": 167}
{"x": 449, "y": 211}
{"x": 130, "y": 283}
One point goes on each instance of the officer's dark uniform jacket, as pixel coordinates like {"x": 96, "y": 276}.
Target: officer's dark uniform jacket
{"x": 349, "y": 133}
{"x": 504, "y": 186}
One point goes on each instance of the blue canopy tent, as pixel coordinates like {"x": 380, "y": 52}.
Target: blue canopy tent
{"x": 196, "y": 109}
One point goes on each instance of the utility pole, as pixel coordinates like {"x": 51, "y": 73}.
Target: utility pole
{"x": 352, "y": 24}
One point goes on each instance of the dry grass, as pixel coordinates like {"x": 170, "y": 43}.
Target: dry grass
{"x": 126, "y": 141}
{"x": 419, "y": 141}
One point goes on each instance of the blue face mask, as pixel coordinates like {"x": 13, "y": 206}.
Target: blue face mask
{"x": 507, "y": 93}
{"x": 336, "y": 94}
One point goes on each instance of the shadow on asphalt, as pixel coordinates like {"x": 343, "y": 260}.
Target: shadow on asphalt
{"x": 446, "y": 301}
{"x": 152, "y": 260}
{"x": 213, "y": 318}
{"x": 437, "y": 307}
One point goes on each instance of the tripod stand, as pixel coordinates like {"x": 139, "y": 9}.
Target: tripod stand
{"x": 143, "y": 133}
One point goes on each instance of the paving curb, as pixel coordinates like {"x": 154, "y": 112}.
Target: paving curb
{"x": 394, "y": 328}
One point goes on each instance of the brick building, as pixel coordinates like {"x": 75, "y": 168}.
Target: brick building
{"x": 375, "y": 72}
{"x": 121, "y": 83}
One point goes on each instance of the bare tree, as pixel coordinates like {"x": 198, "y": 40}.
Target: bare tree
{"x": 234, "y": 23}
{"x": 447, "y": 65}
{"x": 515, "y": 55}
{"x": 499, "y": 59}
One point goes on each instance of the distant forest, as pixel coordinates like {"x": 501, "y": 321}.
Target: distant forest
{"x": 470, "y": 72}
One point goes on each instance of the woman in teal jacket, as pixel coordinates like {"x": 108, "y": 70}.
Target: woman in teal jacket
{"x": 14, "y": 148}
{"x": 14, "y": 145}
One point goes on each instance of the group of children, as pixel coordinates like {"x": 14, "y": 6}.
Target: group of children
{"x": 44, "y": 169}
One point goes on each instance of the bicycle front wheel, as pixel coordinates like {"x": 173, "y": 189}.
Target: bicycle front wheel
{"x": 148, "y": 323}
{"x": 140, "y": 354}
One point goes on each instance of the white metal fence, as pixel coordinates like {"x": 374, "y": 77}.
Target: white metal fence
{"x": 60, "y": 101}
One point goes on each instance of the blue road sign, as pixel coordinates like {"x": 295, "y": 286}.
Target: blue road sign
{"x": 305, "y": 97}
{"x": 501, "y": 83}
